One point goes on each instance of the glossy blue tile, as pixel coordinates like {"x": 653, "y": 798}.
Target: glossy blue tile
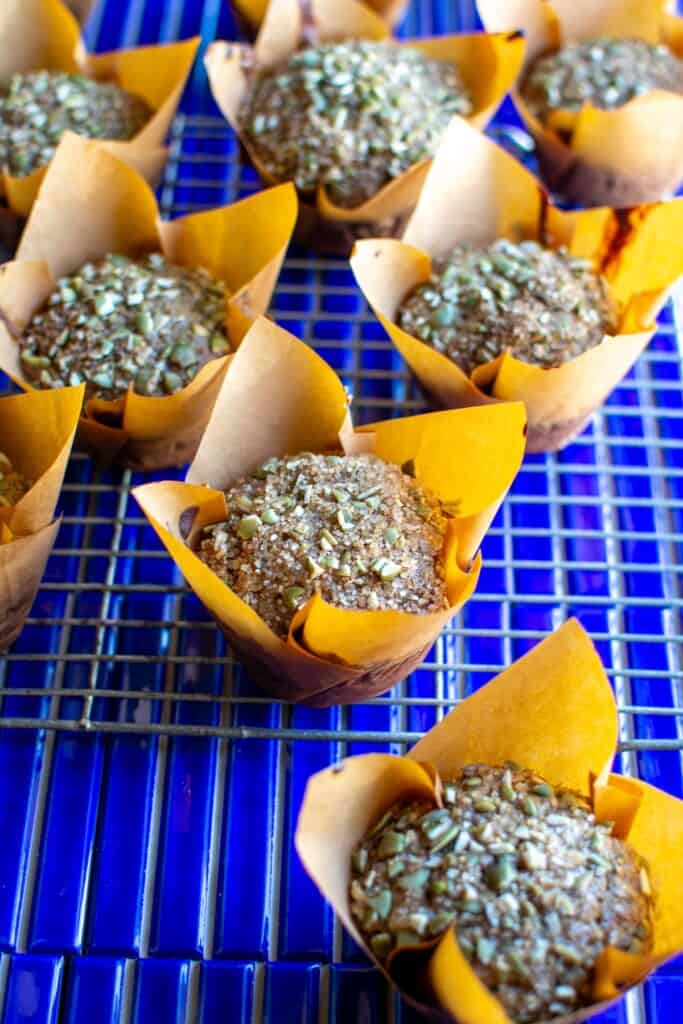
{"x": 246, "y": 844}
{"x": 226, "y": 992}
{"x": 20, "y": 759}
{"x": 59, "y": 901}
{"x": 161, "y": 990}
{"x": 34, "y": 989}
{"x": 94, "y": 991}
{"x": 292, "y": 993}
{"x": 358, "y": 994}
{"x": 121, "y": 854}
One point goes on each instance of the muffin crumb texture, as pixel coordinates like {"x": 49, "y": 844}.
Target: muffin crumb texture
{"x": 351, "y": 116}
{"x": 534, "y": 886}
{"x": 357, "y": 530}
{"x": 606, "y": 73}
{"x": 39, "y": 106}
{"x": 13, "y": 486}
{"x": 542, "y": 305}
{"x": 124, "y": 323}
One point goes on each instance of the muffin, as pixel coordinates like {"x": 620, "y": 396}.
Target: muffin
{"x": 543, "y": 306}
{"x": 343, "y": 110}
{"x": 601, "y": 94}
{"x": 331, "y": 571}
{"x": 534, "y": 886}
{"x": 356, "y": 530}
{"x": 122, "y": 323}
{"x": 350, "y": 116}
{"x": 499, "y": 871}
{"x": 124, "y": 305}
{"x": 493, "y": 293}
{"x": 39, "y": 106}
{"x": 37, "y": 429}
{"x": 603, "y": 72}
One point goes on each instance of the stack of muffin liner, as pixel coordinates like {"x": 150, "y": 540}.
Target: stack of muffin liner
{"x": 553, "y": 711}
{"x": 44, "y": 35}
{"x": 593, "y": 157}
{"x": 487, "y": 64}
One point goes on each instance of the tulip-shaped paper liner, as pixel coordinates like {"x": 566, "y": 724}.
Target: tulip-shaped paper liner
{"x": 36, "y": 432}
{"x": 633, "y": 154}
{"x": 253, "y": 11}
{"x": 552, "y": 712}
{"x": 488, "y": 65}
{"x": 475, "y": 193}
{"x": 108, "y": 207}
{"x": 44, "y": 35}
{"x": 279, "y": 397}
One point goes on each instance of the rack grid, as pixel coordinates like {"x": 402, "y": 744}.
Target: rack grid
{"x": 147, "y": 870}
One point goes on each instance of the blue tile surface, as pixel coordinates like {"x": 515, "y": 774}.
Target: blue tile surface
{"x": 151, "y": 879}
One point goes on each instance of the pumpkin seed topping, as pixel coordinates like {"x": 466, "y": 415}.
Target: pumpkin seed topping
{"x": 39, "y": 106}
{"x": 544, "y": 306}
{"x": 533, "y": 904}
{"x": 93, "y": 330}
{"x": 604, "y": 72}
{"x": 351, "y": 116}
{"x": 319, "y": 542}
{"x": 13, "y": 486}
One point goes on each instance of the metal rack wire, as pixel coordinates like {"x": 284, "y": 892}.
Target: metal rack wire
{"x": 117, "y": 650}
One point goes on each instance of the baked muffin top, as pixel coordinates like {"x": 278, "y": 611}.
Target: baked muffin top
{"x": 535, "y": 887}
{"x": 350, "y": 116}
{"x": 13, "y": 486}
{"x": 543, "y": 305}
{"x": 125, "y": 323}
{"x": 39, "y": 106}
{"x": 604, "y": 72}
{"x": 353, "y": 528}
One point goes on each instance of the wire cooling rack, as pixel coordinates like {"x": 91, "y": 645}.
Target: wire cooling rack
{"x": 149, "y": 791}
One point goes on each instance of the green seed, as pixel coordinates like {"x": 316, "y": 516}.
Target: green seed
{"x": 391, "y": 843}
{"x": 269, "y": 517}
{"x": 381, "y": 903}
{"x": 389, "y": 571}
{"x": 183, "y": 356}
{"x": 293, "y": 597}
{"x": 219, "y": 345}
{"x": 404, "y": 937}
{"x": 145, "y": 323}
{"x": 248, "y": 526}
{"x": 415, "y": 880}
{"x": 543, "y": 789}
{"x": 381, "y": 945}
{"x": 500, "y": 875}
{"x": 485, "y": 950}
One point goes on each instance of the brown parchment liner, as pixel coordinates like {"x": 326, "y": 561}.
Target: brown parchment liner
{"x": 488, "y": 65}
{"x": 92, "y": 204}
{"x": 553, "y": 712}
{"x": 279, "y": 397}
{"x": 633, "y": 154}
{"x": 476, "y": 192}
{"x": 44, "y": 34}
{"x": 251, "y": 12}
{"x": 36, "y": 433}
